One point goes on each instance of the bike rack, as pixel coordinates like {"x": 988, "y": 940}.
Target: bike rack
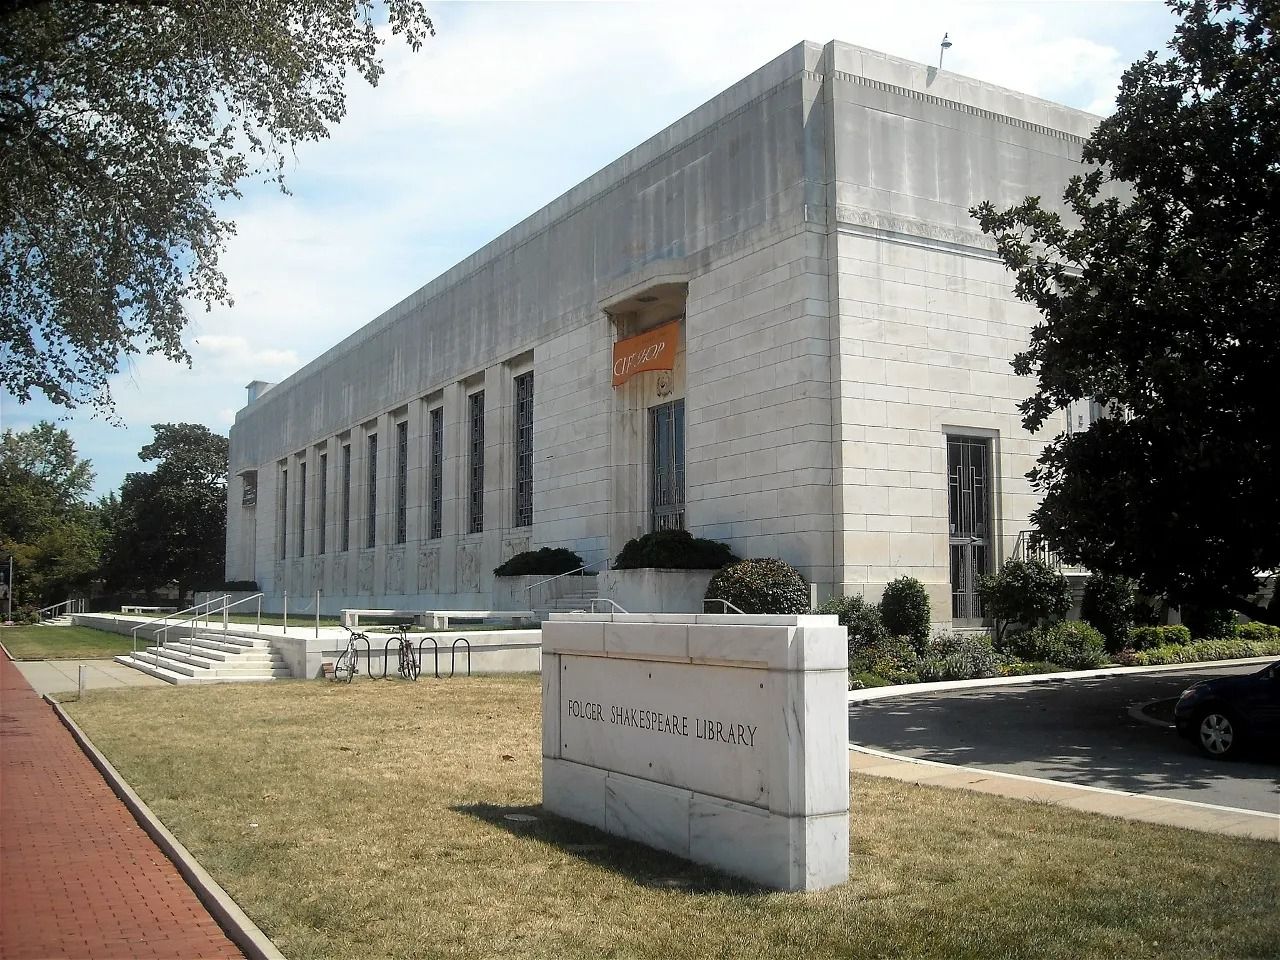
{"x": 436, "y": 652}
{"x": 453, "y": 653}
{"x": 386, "y": 657}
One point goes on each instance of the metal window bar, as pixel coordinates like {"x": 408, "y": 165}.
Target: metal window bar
{"x": 283, "y": 500}
{"x": 346, "y": 497}
{"x": 475, "y": 488}
{"x": 524, "y": 450}
{"x": 666, "y": 466}
{"x": 402, "y": 482}
{"x": 324, "y": 503}
{"x": 969, "y": 514}
{"x": 302, "y": 508}
{"x": 371, "y": 478}
{"x": 437, "y": 472}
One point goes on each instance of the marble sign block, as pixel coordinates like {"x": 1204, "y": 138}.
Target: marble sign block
{"x": 722, "y": 739}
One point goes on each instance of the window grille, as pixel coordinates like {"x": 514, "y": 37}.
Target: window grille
{"x": 524, "y": 450}
{"x": 302, "y": 508}
{"x": 402, "y": 482}
{"x": 283, "y": 518}
{"x": 437, "y": 471}
{"x": 969, "y": 514}
{"x": 666, "y": 466}
{"x": 324, "y": 501}
{"x": 345, "y": 539}
{"x": 475, "y": 486}
{"x": 371, "y": 477}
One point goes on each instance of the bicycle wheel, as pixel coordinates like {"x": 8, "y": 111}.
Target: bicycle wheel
{"x": 414, "y": 666}
{"x": 342, "y": 669}
{"x": 351, "y": 663}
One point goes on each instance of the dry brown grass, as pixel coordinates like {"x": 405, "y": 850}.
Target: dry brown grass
{"x": 367, "y": 821}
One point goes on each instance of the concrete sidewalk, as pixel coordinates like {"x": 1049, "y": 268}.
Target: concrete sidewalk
{"x": 61, "y": 676}
{"x": 78, "y": 876}
{"x": 1189, "y": 815}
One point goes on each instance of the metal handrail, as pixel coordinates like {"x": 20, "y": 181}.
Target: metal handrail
{"x": 215, "y": 606}
{"x": 727, "y": 605}
{"x": 568, "y": 573}
{"x": 616, "y": 606}
{"x": 152, "y": 623}
{"x": 77, "y": 602}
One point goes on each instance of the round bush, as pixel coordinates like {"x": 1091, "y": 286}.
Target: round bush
{"x": 546, "y": 561}
{"x": 1027, "y": 592}
{"x": 1208, "y": 623}
{"x": 765, "y": 585}
{"x": 958, "y": 656}
{"x": 1107, "y": 605}
{"x": 892, "y": 658}
{"x": 1148, "y": 638}
{"x": 860, "y": 618}
{"x": 1072, "y": 644}
{"x": 673, "y": 550}
{"x": 904, "y": 610}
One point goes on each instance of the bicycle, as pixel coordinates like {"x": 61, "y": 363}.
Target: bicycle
{"x": 409, "y": 666}
{"x": 346, "y": 668}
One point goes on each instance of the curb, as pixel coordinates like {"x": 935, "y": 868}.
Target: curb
{"x": 242, "y": 931}
{"x": 907, "y": 689}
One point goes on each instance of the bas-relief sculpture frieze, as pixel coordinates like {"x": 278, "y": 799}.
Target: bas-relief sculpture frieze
{"x": 513, "y": 545}
{"x": 395, "y": 572}
{"x": 468, "y": 568}
{"x": 338, "y": 575}
{"x": 429, "y": 569}
{"x": 364, "y": 576}
{"x": 317, "y": 575}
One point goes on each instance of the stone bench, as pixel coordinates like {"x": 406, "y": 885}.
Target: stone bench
{"x": 134, "y": 608}
{"x": 439, "y": 619}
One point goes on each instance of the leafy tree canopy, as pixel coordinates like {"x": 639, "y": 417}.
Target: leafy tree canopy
{"x": 122, "y": 127}
{"x": 1159, "y": 299}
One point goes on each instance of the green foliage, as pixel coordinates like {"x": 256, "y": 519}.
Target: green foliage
{"x": 545, "y": 560}
{"x": 673, "y": 550}
{"x": 1148, "y": 638}
{"x": 904, "y": 609}
{"x": 241, "y": 586}
{"x": 54, "y": 536}
{"x": 124, "y": 129}
{"x": 1257, "y": 632}
{"x": 861, "y": 619}
{"x": 893, "y": 658}
{"x": 1025, "y": 592}
{"x": 1158, "y": 297}
{"x": 170, "y": 525}
{"x": 958, "y": 656}
{"x": 1208, "y": 623}
{"x": 1072, "y": 644}
{"x": 1205, "y": 650}
{"x": 765, "y": 585}
{"x": 1108, "y": 606}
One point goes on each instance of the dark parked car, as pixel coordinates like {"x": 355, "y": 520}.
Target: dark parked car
{"x": 1224, "y": 714}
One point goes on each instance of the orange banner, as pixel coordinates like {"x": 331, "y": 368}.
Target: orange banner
{"x": 652, "y": 350}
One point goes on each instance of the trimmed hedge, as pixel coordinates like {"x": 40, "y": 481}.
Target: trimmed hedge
{"x": 1206, "y": 650}
{"x": 764, "y": 585}
{"x": 1257, "y": 632}
{"x": 673, "y": 550}
{"x": 860, "y": 618}
{"x": 1072, "y": 644}
{"x": 959, "y": 656}
{"x": 1148, "y": 638}
{"x": 892, "y": 658}
{"x": 239, "y": 585}
{"x": 904, "y": 610}
{"x": 1107, "y": 606}
{"x": 546, "y": 561}
{"x": 1208, "y": 623}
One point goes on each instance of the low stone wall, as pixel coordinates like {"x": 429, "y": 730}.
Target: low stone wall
{"x": 651, "y": 590}
{"x": 491, "y": 651}
{"x": 719, "y": 738}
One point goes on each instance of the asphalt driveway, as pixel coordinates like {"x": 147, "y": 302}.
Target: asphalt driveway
{"x": 1074, "y": 731}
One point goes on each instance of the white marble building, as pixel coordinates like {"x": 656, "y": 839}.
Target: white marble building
{"x": 841, "y": 393}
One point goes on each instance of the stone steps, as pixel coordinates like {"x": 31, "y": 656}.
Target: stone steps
{"x": 207, "y": 659}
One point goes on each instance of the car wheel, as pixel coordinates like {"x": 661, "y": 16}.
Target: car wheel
{"x": 1217, "y": 733}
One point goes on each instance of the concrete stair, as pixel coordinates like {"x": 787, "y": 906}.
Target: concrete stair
{"x": 209, "y": 659}
{"x": 63, "y": 621}
{"x": 575, "y": 593}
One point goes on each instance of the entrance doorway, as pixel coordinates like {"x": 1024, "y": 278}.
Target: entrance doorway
{"x": 969, "y": 510}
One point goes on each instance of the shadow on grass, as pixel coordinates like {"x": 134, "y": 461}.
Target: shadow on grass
{"x": 643, "y": 865}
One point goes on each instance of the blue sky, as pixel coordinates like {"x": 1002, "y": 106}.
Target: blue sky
{"x": 508, "y": 107}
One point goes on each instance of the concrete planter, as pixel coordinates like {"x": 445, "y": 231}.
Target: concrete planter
{"x": 653, "y": 590}
{"x": 512, "y": 593}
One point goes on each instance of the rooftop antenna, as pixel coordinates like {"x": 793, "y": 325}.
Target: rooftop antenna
{"x": 946, "y": 45}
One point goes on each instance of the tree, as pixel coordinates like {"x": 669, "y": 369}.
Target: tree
{"x": 170, "y": 525}
{"x": 1026, "y": 592}
{"x": 45, "y": 521}
{"x": 1160, "y": 302}
{"x": 123, "y": 126}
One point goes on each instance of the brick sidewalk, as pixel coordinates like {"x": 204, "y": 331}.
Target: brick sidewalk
{"x": 78, "y": 877}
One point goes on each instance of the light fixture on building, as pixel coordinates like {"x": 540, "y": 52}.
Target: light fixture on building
{"x": 946, "y": 45}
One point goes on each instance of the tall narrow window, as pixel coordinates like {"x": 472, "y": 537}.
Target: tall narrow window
{"x": 437, "y": 472}
{"x": 666, "y": 466}
{"x": 402, "y": 482}
{"x": 345, "y": 539}
{"x": 324, "y": 502}
{"x": 283, "y": 519}
{"x": 371, "y": 481}
{"x": 969, "y": 513}
{"x": 475, "y": 473}
{"x": 302, "y": 508}
{"x": 524, "y": 450}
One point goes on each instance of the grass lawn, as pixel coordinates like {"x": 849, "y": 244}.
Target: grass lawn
{"x": 63, "y": 643}
{"x": 368, "y": 821}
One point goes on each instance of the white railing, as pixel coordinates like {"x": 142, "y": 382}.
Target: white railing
{"x": 1030, "y": 546}
{"x": 603, "y": 564}
{"x": 65, "y": 608}
{"x": 157, "y": 624}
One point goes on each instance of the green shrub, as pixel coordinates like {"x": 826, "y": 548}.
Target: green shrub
{"x": 1148, "y": 638}
{"x": 1208, "y": 623}
{"x": 859, "y": 618}
{"x": 861, "y": 681}
{"x": 1026, "y": 592}
{"x": 1013, "y": 667}
{"x": 1256, "y": 632}
{"x": 1072, "y": 644}
{"x": 904, "y": 610}
{"x": 893, "y": 658}
{"x": 238, "y": 585}
{"x": 1206, "y": 650}
{"x": 765, "y": 585}
{"x": 1108, "y": 607}
{"x": 959, "y": 656}
{"x": 546, "y": 561}
{"x": 673, "y": 550}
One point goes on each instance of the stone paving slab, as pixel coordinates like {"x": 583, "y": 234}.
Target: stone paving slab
{"x": 61, "y": 676}
{"x": 78, "y": 877}
{"x": 1178, "y": 813}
